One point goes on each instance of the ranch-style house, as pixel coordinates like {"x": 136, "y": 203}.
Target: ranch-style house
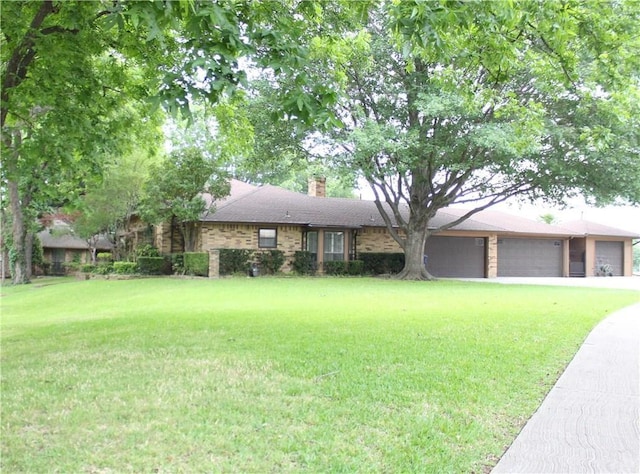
{"x": 490, "y": 244}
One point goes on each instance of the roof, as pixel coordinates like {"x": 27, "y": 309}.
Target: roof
{"x": 504, "y": 223}
{"x": 63, "y": 238}
{"x": 273, "y": 205}
{"x": 586, "y": 228}
{"x": 268, "y": 204}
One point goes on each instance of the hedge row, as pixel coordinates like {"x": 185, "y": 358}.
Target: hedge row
{"x": 378, "y": 263}
{"x": 339, "y": 268}
{"x": 234, "y": 261}
{"x": 196, "y": 263}
{"x": 237, "y": 261}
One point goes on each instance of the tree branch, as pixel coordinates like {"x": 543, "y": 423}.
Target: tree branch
{"x": 22, "y": 57}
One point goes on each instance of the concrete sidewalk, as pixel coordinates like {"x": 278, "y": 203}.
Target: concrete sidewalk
{"x": 590, "y": 420}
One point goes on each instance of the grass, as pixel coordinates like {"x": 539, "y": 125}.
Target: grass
{"x": 280, "y": 375}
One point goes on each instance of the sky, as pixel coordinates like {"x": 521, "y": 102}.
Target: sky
{"x": 621, "y": 217}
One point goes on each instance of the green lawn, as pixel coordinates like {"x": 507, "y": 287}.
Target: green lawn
{"x": 280, "y": 375}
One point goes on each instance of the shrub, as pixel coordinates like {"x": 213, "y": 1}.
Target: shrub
{"x": 87, "y": 268}
{"x": 37, "y": 253}
{"x": 151, "y": 265}
{"x": 125, "y": 268}
{"x": 196, "y": 263}
{"x": 103, "y": 268}
{"x": 339, "y": 268}
{"x": 335, "y": 268}
{"x": 147, "y": 250}
{"x": 304, "y": 263}
{"x": 355, "y": 267}
{"x": 103, "y": 256}
{"x": 177, "y": 263}
{"x": 377, "y": 263}
{"x": 271, "y": 261}
{"x": 235, "y": 261}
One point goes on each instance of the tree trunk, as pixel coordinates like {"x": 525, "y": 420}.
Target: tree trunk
{"x": 414, "y": 267}
{"x": 19, "y": 270}
{"x": 189, "y": 235}
{"x": 28, "y": 254}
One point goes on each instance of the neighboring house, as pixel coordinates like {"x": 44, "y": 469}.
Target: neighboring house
{"x": 490, "y": 244}
{"x": 60, "y": 245}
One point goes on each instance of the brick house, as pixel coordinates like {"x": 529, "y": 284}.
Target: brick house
{"x": 489, "y": 244}
{"x": 61, "y": 246}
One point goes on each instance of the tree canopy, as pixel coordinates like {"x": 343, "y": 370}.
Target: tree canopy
{"x": 475, "y": 103}
{"x": 82, "y": 79}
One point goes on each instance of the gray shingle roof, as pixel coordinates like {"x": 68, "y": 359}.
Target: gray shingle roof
{"x": 273, "y": 205}
{"x": 592, "y": 228}
{"x": 64, "y": 239}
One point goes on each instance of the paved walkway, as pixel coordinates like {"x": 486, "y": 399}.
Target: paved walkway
{"x": 620, "y": 283}
{"x": 590, "y": 420}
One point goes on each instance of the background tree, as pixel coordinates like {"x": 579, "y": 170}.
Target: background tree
{"x": 68, "y": 68}
{"x": 107, "y": 206}
{"x": 475, "y": 103}
{"x": 181, "y": 189}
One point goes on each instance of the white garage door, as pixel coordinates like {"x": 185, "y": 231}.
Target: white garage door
{"x": 609, "y": 258}
{"x": 457, "y": 257}
{"x": 529, "y": 258}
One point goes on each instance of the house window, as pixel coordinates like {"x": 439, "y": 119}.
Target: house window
{"x": 312, "y": 244}
{"x": 267, "y": 238}
{"x": 333, "y": 246}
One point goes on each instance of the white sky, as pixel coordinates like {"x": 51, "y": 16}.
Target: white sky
{"x": 620, "y": 217}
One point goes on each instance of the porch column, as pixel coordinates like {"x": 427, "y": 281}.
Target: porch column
{"x": 320, "y": 251}
{"x": 214, "y": 263}
{"x": 590, "y": 257}
{"x": 491, "y": 262}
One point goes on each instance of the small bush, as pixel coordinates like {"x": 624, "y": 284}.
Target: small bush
{"x": 340, "y": 268}
{"x": 196, "y": 263}
{"x": 304, "y": 263}
{"x": 103, "y": 257}
{"x": 235, "y": 261}
{"x": 87, "y": 268}
{"x": 378, "y": 263}
{"x": 271, "y": 261}
{"x": 355, "y": 267}
{"x": 147, "y": 250}
{"x": 151, "y": 265}
{"x": 125, "y": 268}
{"x": 71, "y": 266}
{"x": 177, "y": 263}
{"x": 103, "y": 268}
{"x": 335, "y": 268}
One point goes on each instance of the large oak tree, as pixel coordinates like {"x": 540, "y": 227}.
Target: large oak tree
{"x": 474, "y": 103}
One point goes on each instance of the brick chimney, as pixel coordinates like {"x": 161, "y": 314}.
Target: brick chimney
{"x": 317, "y": 186}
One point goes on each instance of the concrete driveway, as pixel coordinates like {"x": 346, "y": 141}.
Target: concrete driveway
{"x": 621, "y": 283}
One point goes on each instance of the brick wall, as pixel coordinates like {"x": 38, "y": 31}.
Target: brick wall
{"x": 245, "y": 236}
{"x": 375, "y": 239}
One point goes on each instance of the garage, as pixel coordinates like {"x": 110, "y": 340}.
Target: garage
{"x": 459, "y": 257}
{"x": 609, "y": 258}
{"x": 529, "y": 258}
